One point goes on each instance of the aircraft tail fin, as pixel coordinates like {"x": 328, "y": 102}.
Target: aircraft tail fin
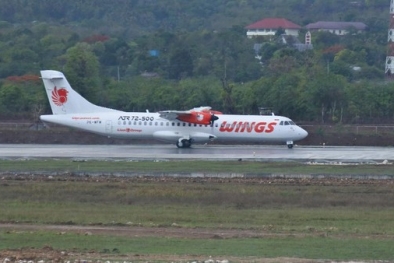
{"x": 63, "y": 99}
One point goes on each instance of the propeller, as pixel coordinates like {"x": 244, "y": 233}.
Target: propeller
{"x": 213, "y": 119}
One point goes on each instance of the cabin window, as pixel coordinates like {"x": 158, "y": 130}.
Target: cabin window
{"x": 287, "y": 123}
{"x": 124, "y": 122}
{"x": 140, "y": 123}
{"x": 184, "y": 124}
{"x": 173, "y": 124}
{"x": 190, "y": 124}
{"x": 178, "y": 124}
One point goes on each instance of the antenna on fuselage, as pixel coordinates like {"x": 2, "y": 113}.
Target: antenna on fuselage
{"x": 266, "y": 111}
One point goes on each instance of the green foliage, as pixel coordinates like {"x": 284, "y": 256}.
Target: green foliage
{"x": 204, "y": 59}
{"x": 12, "y": 98}
{"x": 82, "y": 71}
{"x": 26, "y": 97}
{"x": 181, "y": 64}
{"x": 172, "y": 15}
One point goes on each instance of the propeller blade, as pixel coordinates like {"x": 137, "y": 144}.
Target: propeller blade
{"x": 213, "y": 118}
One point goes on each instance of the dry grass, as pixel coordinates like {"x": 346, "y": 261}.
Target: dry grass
{"x": 300, "y": 218}
{"x": 273, "y": 204}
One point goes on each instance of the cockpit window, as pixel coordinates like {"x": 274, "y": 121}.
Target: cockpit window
{"x": 289, "y": 122}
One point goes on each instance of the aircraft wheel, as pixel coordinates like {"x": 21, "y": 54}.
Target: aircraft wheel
{"x": 186, "y": 143}
{"x": 183, "y": 143}
{"x": 179, "y": 144}
{"x": 290, "y": 146}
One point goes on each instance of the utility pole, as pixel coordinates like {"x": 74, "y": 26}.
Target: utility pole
{"x": 389, "y": 70}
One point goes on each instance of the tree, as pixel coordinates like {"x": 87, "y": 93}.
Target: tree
{"x": 181, "y": 64}
{"x": 327, "y": 93}
{"x": 82, "y": 71}
{"x": 12, "y": 98}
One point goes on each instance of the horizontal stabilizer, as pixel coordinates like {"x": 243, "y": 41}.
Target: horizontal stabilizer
{"x": 51, "y": 74}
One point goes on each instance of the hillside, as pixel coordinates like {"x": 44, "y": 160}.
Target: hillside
{"x": 136, "y": 17}
{"x": 134, "y": 55}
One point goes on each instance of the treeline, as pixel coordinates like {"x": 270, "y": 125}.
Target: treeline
{"x": 136, "y": 17}
{"x": 312, "y": 96}
{"x": 218, "y": 69}
{"x": 340, "y": 81}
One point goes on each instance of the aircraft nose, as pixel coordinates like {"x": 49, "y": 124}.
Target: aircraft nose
{"x": 303, "y": 133}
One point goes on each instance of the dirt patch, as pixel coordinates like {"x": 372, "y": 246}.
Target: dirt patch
{"x": 48, "y": 254}
{"x": 171, "y": 232}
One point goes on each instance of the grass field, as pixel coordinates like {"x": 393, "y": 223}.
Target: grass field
{"x": 305, "y": 247}
{"x": 170, "y": 167}
{"x": 332, "y": 218}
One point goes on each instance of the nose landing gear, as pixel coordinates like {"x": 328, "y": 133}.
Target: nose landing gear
{"x": 290, "y": 144}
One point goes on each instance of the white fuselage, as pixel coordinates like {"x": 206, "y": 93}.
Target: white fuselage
{"x": 145, "y": 125}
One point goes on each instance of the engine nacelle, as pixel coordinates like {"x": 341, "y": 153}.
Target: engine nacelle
{"x": 204, "y": 118}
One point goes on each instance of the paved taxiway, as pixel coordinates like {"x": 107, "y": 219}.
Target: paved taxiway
{"x": 213, "y": 152}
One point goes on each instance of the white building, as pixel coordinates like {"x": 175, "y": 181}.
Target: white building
{"x": 269, "y": 27}
{"x": 337, "y": 28}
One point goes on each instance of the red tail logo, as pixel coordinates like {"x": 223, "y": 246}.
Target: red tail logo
{"x": 59, "y": 96}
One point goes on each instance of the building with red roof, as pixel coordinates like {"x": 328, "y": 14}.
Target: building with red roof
{"x": 269, "y": 27}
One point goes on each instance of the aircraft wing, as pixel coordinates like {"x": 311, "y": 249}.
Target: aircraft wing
{"x": 173, "y": 114}
{"x": 200, "y": 115}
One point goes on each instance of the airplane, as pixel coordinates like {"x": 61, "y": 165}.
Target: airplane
{"x": 182, "y": 127}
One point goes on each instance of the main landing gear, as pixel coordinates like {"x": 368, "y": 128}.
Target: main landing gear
{"x": 183, "y": 143}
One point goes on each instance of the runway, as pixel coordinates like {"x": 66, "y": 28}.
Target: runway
{"x": 199, "y": 152}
